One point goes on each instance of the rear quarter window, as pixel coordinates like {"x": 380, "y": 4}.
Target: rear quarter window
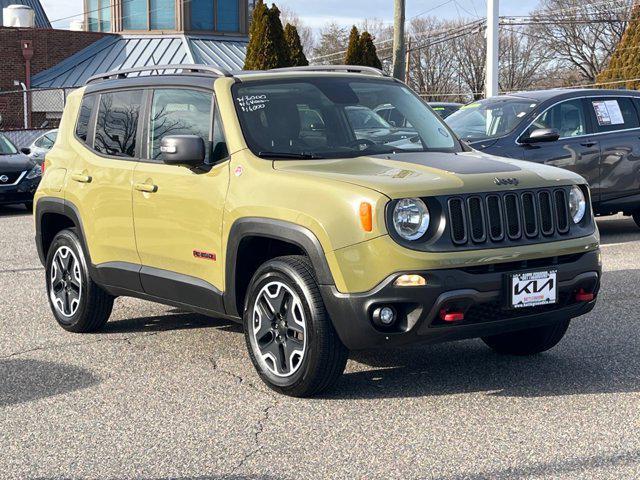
{"x": 86, "y": 109}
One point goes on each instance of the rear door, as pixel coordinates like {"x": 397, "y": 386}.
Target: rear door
{"x": 576, "y": 150}
{"x": 616, "y": 122}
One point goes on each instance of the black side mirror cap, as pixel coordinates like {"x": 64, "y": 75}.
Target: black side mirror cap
{"x": 26, "y": 150}
{"x": 184, "y": 150}
{"x": 540, "y": 135}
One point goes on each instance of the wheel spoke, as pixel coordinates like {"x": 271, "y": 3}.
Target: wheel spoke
{"x": 65, "y": 281}
{"x": 278, "y": 300}
{"x": 292, "y": 351}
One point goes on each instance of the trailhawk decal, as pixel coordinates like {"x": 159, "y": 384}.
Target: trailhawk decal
{"x": 204, "y": 255}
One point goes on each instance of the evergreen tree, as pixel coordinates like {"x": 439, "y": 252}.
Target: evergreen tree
{"x": 297, "y": 57}
{"x": 267, "y": 47}
{"x": 625, "y": 60}
{"x": 354, "y": 51}
{"x": 256, "y": 33}
{"x": 369, "y": 56}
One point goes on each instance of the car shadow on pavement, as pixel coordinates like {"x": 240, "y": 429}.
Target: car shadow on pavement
{"x": 13, "y": 211}
{"x": 26, "y": 380}
{"x": 618, "y": 230}
{"x": 174, "y": 320}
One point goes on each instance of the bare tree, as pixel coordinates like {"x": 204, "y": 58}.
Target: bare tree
{"x": 332, "y": 43}
{"x": 470, "y": 53}
{"x": 582, "y": 33}
{"x": 523, "y": 58}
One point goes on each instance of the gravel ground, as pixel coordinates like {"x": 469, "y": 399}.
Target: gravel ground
{"x": 164, "y": 394}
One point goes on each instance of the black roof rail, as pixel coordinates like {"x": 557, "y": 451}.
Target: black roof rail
{"x": 193, "y": 68}
{"x": 334, "y": 68}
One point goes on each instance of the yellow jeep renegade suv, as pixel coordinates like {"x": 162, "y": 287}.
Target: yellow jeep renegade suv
{"x": 281, "y": 199}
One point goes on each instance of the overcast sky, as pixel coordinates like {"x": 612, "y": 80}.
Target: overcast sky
{"x": 318, "y": 12}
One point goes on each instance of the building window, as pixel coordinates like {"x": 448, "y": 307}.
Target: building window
{"x": 215, "y": 15}
{"x": 98, "y": 15}
{"x": 149, "y": 15}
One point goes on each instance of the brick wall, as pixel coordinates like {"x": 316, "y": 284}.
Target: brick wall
{"x": 50, "y": 47}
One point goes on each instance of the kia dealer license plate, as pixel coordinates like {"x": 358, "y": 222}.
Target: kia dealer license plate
{"x": 533, "y": 289}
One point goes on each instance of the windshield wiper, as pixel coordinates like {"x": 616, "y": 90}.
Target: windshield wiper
{"x": 289, "y": 155}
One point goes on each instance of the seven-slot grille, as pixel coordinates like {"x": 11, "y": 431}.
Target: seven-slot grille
{"x": 494, "y": 217}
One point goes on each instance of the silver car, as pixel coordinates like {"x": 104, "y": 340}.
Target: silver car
{"x": 41, "y": 145}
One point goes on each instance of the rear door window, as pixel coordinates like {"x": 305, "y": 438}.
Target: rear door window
{"x": 612, "y": 114}
{"x": 117, "y": 123}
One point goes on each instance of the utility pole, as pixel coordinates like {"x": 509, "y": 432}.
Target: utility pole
{"x": 398, "y": 39}
{"x": 491, "y": 79}
{"x": 407, "y": 62}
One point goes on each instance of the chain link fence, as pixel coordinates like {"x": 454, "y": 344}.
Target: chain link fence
{"x": 23, "y": 110}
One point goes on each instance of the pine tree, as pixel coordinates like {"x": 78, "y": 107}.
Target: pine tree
{"x": 267, "y": 47}
{"x": 369, "y": 56}
{"x": 625, "y": 60}
{"x": 256, "y": 33}
{"x": 297, "y": 57}
{"x": 354, "y": 50}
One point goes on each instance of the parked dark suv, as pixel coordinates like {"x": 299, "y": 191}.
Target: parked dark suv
{"x": 595, "y": 133}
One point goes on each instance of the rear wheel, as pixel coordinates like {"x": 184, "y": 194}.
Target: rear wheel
{"x": 530, "y": 341}
{"x": 77, "y": 303}
{"x": 290, "y": 338}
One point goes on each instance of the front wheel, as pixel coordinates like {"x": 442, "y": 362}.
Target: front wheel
{"x": 77, "y": 303}
{"x": 530, "y": 341}
{"x": 290, "y": 338}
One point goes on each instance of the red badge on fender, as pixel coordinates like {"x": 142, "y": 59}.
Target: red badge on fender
{"x": 204, "y": 255}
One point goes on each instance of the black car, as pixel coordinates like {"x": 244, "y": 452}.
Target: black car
{"x": 595, "y": 133}
{"x": 19, "y": 175}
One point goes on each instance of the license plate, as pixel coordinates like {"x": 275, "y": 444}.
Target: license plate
{"x": 533, "y": 289}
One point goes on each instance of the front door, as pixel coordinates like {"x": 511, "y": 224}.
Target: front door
{"x": 178, "y": 212}
{"x": 577, "y": 149}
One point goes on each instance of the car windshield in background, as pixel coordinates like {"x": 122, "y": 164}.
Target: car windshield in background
{"x": 334, "y": 118}
{"x": 6, "y": 147}
{"x": 490, "y": 118}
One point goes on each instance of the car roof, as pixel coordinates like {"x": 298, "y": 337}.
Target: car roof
{"x": 562, "y": 93}
{"x": 444, "y": 104}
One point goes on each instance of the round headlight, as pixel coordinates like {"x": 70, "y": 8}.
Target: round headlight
{"x": 577, "y": 204}
{"x": 411, "y": 218}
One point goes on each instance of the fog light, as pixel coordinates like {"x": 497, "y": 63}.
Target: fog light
{"x": 384, "y": 316}
{"x": 410, "y": 281}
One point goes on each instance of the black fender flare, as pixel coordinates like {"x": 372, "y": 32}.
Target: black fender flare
{"x": 278, "y": 230}
{"x": 63, "y": 207}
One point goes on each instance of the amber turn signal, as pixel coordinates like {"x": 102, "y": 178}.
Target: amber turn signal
{"x": 366, "y": 218}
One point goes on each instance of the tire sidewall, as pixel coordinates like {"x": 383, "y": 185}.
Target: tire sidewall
{"x": 69, "y": 239}
{"x": 280, "y": 271}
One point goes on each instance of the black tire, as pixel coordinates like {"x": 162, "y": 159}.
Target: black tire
{"x": 28, "y": 206}
{"x": 323, "y": 358}
{"x": 530, "y": 341}
{"x": 636, "y": 217}
{"x": 90, "y": 306}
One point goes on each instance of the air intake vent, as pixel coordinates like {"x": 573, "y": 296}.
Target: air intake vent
{"x": 546, "y": 213}
{"x": 512, "y": 213}
{"x": 494, "y": 209}
{"x": 562, "y": 211}
{"x": 529, "y": 214}
{"x": 458, "y": 224}
{"x": 476, "y": 219}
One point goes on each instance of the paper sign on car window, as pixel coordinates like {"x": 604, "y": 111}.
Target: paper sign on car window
{"x": 608, "y": 112}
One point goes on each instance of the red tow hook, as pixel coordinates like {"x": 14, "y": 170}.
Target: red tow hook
{"x": 451, "y": 316}
{"x": 583, "y": 296}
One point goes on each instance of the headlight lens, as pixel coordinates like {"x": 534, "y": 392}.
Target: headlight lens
{"x": 577, "y": 204}
{"x": 411, "y": 218}
{"x": 36, "y": 171}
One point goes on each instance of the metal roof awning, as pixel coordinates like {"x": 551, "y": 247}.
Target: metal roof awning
{"x": 116, "y": 52}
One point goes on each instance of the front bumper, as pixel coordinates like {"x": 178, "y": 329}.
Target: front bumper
{"x": 20, "y": 193}
{"x": 480, "y": 291}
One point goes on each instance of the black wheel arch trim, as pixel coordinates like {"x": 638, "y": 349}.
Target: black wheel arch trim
{"x": 62, "y": 207}
{"x": 282, "y": 230}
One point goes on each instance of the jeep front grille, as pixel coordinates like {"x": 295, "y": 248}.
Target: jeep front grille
{"x": 492, "y": 218}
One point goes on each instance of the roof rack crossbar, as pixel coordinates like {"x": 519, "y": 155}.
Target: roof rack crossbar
{"x": 335, "y": 68}
{"x": 194, "y": 68}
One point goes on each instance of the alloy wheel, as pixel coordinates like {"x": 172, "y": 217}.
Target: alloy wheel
{"x": 65, "y": 282}
{"x": 279, "y": 329}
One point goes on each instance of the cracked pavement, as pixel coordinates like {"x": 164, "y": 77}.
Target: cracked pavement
{"x": 164, "y": 394}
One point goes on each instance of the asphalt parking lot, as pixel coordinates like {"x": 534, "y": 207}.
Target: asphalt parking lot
{"x": 164, "y": 394}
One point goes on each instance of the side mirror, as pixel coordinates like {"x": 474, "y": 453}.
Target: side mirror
{"x": 540, "y": 135}
{"x": 26, "y": 150}
{"x": 183, "y": 150}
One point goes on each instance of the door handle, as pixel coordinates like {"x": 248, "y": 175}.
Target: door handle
{"x": 146, "y": 187}
{"x": 81, "y": 177}
{"x": 588, "y": 144}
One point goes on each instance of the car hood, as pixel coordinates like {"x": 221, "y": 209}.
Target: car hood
{"x": 433, "y": 173}
{"x": 15, "y": 163}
